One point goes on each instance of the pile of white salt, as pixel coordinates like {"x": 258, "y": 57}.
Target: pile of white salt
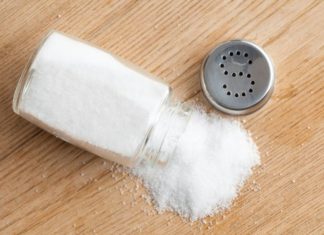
{"x": 94, "y": 100}
{"x": 211, "y": 162}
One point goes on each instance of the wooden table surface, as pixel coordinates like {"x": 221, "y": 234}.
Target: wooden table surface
{"x": 48, "y": 186}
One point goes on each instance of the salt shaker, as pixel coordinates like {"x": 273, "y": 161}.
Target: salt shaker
{"x": 99, "y": 102}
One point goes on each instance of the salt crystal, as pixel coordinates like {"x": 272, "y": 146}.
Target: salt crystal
{"x": 205, "y": 172}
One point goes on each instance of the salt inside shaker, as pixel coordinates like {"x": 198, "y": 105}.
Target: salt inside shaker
{"x": 99, "y": 102}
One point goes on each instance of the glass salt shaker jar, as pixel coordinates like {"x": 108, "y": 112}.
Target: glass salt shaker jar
{"x": 99, "y": 102}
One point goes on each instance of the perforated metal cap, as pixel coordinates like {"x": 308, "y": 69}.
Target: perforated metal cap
{"x": 237, "y": 77}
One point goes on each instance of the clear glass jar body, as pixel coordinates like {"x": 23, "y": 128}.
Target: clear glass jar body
{"x": 96, "y": 101}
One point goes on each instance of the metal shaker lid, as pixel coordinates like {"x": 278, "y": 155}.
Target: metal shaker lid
{"x": 237, "y": 77}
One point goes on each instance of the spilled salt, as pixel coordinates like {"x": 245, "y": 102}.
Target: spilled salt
{"x": 211, "y": 162}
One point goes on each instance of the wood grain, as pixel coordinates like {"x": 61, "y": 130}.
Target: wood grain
{"x": 48, "y": 186}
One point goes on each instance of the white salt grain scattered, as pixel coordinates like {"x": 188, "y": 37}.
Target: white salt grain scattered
{"x": 211, "y": 162}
